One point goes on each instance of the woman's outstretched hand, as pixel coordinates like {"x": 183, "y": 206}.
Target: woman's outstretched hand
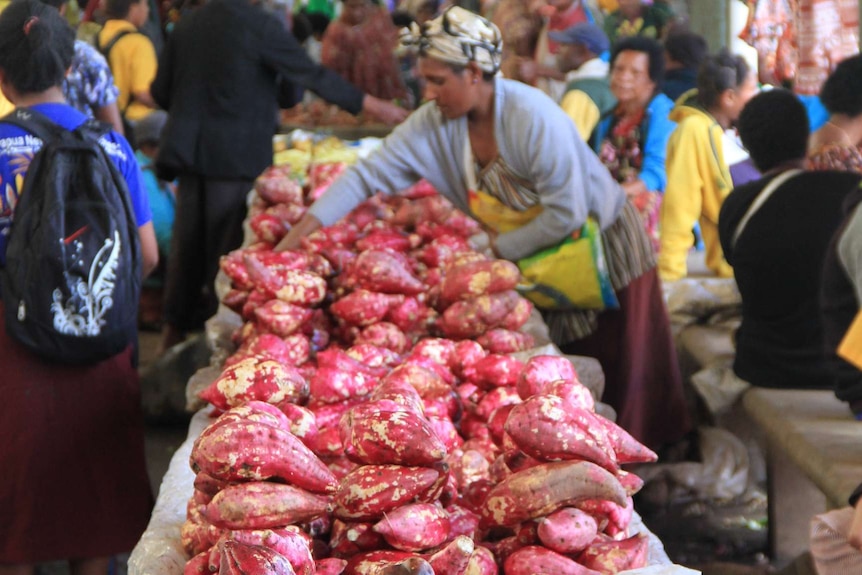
{"x": 303, "y": 227}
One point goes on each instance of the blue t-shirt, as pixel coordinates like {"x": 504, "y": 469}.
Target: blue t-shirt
{"x": 17, "y": 148}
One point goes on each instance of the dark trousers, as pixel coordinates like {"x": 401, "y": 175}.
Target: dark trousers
{"x": 208, "y": 224}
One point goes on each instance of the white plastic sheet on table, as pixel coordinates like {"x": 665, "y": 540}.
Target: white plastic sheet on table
{"x": 160, "y": 552}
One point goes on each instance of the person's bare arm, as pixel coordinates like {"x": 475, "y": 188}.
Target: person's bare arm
{"x": 303, "y": 227}
{"x": 110, "y": 114}
{"x": 149, "y": 247}
{"x": 145, "y": 98}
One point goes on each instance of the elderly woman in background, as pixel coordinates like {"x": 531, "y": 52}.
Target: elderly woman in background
{"x": 492, "y": 145}
{"x": 632, "y": 140}
{"x": 360, "y": 47}
{"x": 835, "y": 146}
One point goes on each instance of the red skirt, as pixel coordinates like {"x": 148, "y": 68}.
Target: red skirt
{"x": 74, "y": 483}
{"x": 635, "y": 346}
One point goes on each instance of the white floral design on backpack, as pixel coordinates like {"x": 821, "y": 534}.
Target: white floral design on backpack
{"x": 97, "y": 295}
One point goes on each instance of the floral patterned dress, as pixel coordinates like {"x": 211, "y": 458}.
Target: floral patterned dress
{"x": 622, "y": 153}
{"x": 840, "y": 157}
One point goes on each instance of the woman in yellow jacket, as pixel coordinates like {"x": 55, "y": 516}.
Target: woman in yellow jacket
{"x": 698, "y": 179}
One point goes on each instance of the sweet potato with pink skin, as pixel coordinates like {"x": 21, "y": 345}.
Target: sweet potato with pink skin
{"x": 519, "y": 315}
{"x": 424, "y": 380}
{"x": 335, "y": 385}
{"x": 618, "y": 516}
{"x": 276, "y": 186}
{"x": 387, "y": 563}
{"x": 574, "y": 393}
{"x": 541, "y": 490}
{"x": 254, "y": 410}
{"x": 541, "y": 371}
{"x": 369, "y": 491}
{"x": 397, "y": 437}
{"x": 568, "y": 530}
{"x": 288, "y": 213}
{"x": 627, "y": 448}
{"x": 252, "y": 379}
{"x": 468, "y": 467}
{"x": 608, "y": 556}
{"x": 301, "y": 421}
{"x": 256, "y": 299}
{"x": 466, "y": 319}
{"x": 414, "y": 527}
{"x": 242, "y": 451}
{"x": 362, "y": 307}
{"x": 290, "y": 542}
{"x": 496, "y": 370}
{"x": 441, "y": 251}
{"x": 445, "y": 430}
{"x": 296, "y": 286}
{"x": 440, "y": 371}
{"x": 281, "y": 318}
{"x": 410, "y": 315}
{"x": 330, "y": 566}
{"x": 241, "y": 559}
{"x": 266, "y": 345}
{"x": 388, "y": 239}
{"x": 233, "y": 266}
{"x": 462, "y": 521}
{"x": 326, "y": 443}
{"x": 209, "y": 485}
{"x": 436, "y": 349}
{"x": 497, "y": 421}
{"x": 374, "y": 356}
{"x": 453, "y": 558}
{"x": 199, "y": 565}
{"x": 263, "y": 505}
{"x": 340, "y": 359}
{"x": 474, "y": 427}
{"x": 478, "y": 278}
{"x": 630, "y": 482}
{"x": 383, "y": 334}
{"x": 384, "y": 271}
{"x": 268, "y": 228}
{"x": 235, "y": 300}
{"x": 197, "y": 535}
{"x": 495, "y": 399}
{"x": 349, "y": 539}
{"x": 399, "y": 392}
{"x": 481, "y": 562}
{"x": 534, "y": 559}
{"x": 547, "y": 428}
{"x": 503, "y": 341}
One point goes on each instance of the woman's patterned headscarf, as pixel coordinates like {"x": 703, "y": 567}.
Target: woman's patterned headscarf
{"x": 457, "y": 36}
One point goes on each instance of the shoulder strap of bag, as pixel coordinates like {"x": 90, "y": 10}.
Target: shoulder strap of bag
{"x": 36, "y": 123}
{"x": 761, "y": 198}
{"x": 106, "y": 49}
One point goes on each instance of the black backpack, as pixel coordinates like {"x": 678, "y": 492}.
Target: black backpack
{"x": 73, "y": 273}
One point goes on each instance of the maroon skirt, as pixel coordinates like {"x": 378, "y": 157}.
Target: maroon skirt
{"x": 635, "y": 346}
{"x": 74, "y": 483}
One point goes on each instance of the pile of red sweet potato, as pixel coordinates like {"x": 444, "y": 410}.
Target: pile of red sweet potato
{"x": 372, "y": 418}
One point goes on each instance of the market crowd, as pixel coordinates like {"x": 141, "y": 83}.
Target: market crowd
{"x": 532, "y": 116}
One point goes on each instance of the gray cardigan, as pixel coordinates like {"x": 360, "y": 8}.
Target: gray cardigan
{"x": 534, "y": 137}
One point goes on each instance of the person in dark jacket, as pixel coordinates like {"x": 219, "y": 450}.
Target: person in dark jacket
{"x": 775, "y": 232}
{"x": 683, "y": 53}
{"x": 220, "y": 78}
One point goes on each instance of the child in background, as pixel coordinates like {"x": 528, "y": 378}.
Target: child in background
{"x": 160, "y": 192}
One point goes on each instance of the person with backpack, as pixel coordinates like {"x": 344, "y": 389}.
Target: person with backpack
{"x": 132, "y": 58}
{"x": 75, "y": 242}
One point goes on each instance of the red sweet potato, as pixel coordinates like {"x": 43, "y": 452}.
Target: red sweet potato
{"x": 495, "y": 399}
{"x": 462, "y": 521}
{"x": 241, "y": 559}
{"x": 568, "y": 530}
{"x": 301, "y": 421}
{"x": 249, "y": 450}
{"x": 426, "y": 381}
{"x": 399, "y": 392}
{"x": 276, "y": 186}
{"x": 547, "y": 428}
{"x": 496, "y": 370}
{"x": 608, "y": 556}
{"x": 388, "y": 239}
{"x": 542, "y": 370}
{"x": 541, "y": 490}
{"x": 330, "y": 566}
{"x": 471, "y": 318}
{"x": 478, "y": 278}
{"x": 362, "y": 307}
{"x": 383, "y": 334}
{"x": 630, "y": 482}
{"x": 446, "y": 431}
{"x": 414, "y": 527}
{"x": 281, "y": 318}
{"x": 503, "y": 341}
{"x": 627, "y": 448}
{"x": 374, "y": 356}
{"x": 534, "y": 559}
{"x": 262, "y": 505}
{"x": 198, "y": 565}
{"x": 573, "y": 393}
{"x": 454, "y": 557}
{"x": 252, "y": 379}
{"x": 268, "y": 228}
{"x": 349, "y": 539}
{"x": 290, "y": 542}
{"x": 387, "y": 563}
{"x": 335, "y": 385}
{"x": 384, "y": 271}
{"x": 436, "y": 349}
{"x": 410, "y": 315}
{"x": 368, "y": 492}
{"x": 519, "y": 315}
{"x": 618, "y": 516}
{"x": 393, "y": 437}
{"x": 481, "y": 563}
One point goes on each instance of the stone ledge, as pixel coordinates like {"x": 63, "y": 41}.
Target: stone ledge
{"x": 816, "y": 431}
